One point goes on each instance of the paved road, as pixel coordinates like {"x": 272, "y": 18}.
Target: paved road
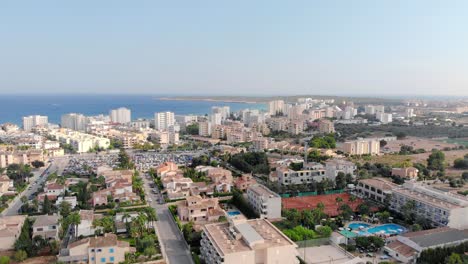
{"x": 34, "y": 183}
{"x": 173, "y": 244}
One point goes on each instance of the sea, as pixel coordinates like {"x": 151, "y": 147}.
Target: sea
{"x": 14, "y": 107}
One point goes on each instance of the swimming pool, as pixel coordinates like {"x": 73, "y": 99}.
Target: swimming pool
{"x": 389, "y": 229}
{"x": 357, "y": 226}
{"x": 233, "y": 213}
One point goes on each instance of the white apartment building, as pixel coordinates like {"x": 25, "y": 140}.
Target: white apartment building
{"x": 74, "y": 121}
{"x": 361, "y": 147}
{"x": 216, "y": 118}
{"x": 276, "y": 107}
{"x": 184, "y": 119}
{"x": 266, "y": 203}
{"x": 204, "y": 129}
{"x": 376, "y": 189}
{"x": 311, "y": 172}
{"x": 384, "y": 118}
{"x": 369, "y": 109}
{"x": 140, "y": 124}
{"x": 225, "y": 111}
{"x": 120, "y": 115}
{"x": 441, "y": 208}
{"x": 409, "y": 113}
{"x": 379, "y": 109}
{"x": 34, "y": 120}
{"x": 247, "y": 242}
{"x": 81, "y": 142}
{"x": 335, "y": 166}
{"x": 163, "y": 120}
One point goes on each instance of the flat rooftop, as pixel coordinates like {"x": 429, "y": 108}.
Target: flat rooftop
{"x": 444, "y": 200}
{"x": 379, "y": 183}
{"x": 261, "y": 190}
{"x": 245, "y": 236}
{"x": 437, "y": 236}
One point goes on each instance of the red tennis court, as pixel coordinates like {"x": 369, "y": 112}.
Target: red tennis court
{"x": 329, "y": 200}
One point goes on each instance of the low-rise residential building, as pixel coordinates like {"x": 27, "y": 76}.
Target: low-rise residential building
{"x": 440, "y": 207}
{"x": 376, "y": 189}
{"x": 266, "y": 203}
{"x": 248, "y": 242}
{"x": 10, "y": 229}
{"x": 69, "y": 199}
{"x": 408, "y": 247}
{"x": 408, "y": 173}
{"x": 245, "y": 181}
{"x": 361, "y": 147}
{"x": 198, "y": 209}
{"x": 94, "y": 250}
{"x": 86, "y": 227}
{"x": 335, "y": 166}
{"x": 99, "y": 198}
{"x": 311, "y": 172}
{"x": 46, "y": 226}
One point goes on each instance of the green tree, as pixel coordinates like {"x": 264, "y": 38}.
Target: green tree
{"x": 20, "y": 255}
{"x": 408, "y": 211}
{"x": 340, "y": 181}
{"x": 192, "y": 129}
{"x": 37, "y": 164}
{"x": 325, "y": 231}
{"x": 124, "y": 160}
{"x": 64, "y": 208}
{"x": 454, "y": 258}
{"x": 74, "y": 219}
{"x": 345, "y": 211}
{"x": 4, "y": 260}
{"x": 46, "y": 206}
{"x": 436, "y": 161}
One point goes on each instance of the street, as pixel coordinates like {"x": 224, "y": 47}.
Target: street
{"x": 34, "y": 183}
{"x": 172, "y": 243}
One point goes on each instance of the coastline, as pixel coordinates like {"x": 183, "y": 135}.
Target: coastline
{"x": 206, "y": 100}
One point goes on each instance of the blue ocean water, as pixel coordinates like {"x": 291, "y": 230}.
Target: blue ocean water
{"x": 14, "y": 107}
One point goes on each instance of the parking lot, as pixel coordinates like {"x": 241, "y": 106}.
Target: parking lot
{"x": 146, "y": 160}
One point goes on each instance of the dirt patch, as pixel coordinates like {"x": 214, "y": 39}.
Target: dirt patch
{"x": 418, "y": 143}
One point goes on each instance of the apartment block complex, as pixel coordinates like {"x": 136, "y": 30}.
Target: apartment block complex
{"x": 34, "y": 120}
{"x": 376, "y": 189}
{"x": 247, "y": 242}
{"x": 266, "y": 203}
{"x": 441, "y": 208}
{"x": 120, "y": 115}
{"x": 361, "y": 147}
{"x": 163, "y": 120}
{"x": 309, "y": 173}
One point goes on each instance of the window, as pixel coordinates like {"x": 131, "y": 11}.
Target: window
{"x": 99, "y": 250}
{"x": 92, "y": 258}
{"x": 92, "y": 250}
{"x": 111, "y": 259}
{"x": 111, "y": 250}
{"x": 103, "y": 260}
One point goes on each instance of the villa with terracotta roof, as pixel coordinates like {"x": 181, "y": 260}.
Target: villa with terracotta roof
{"x": 166, "y": 167}
{"x": 198, "y": 209}
{"x": 94, "y": 250}
{"x": 408, "y": 173}
{"x": 10, "y": 229}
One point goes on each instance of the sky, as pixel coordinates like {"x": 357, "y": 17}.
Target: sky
{"x": 393, "y": 47}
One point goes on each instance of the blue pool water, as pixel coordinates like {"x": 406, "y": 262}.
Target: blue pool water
{"x": 233, "y": 213}
{"x": 389, "y": 229}
{"x": 355, "y": 226}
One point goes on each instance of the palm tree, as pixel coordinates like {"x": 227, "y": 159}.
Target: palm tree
{"x": 151, "y": 215}
{"x": 74, "y": 219}
{"x": 321, "y": 206}
{"x": 139, "y": 223}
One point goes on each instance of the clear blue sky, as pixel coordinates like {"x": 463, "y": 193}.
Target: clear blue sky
{"x": 234, "y": 47}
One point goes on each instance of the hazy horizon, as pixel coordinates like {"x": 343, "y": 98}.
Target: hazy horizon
{"x": 336, "y": 48}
